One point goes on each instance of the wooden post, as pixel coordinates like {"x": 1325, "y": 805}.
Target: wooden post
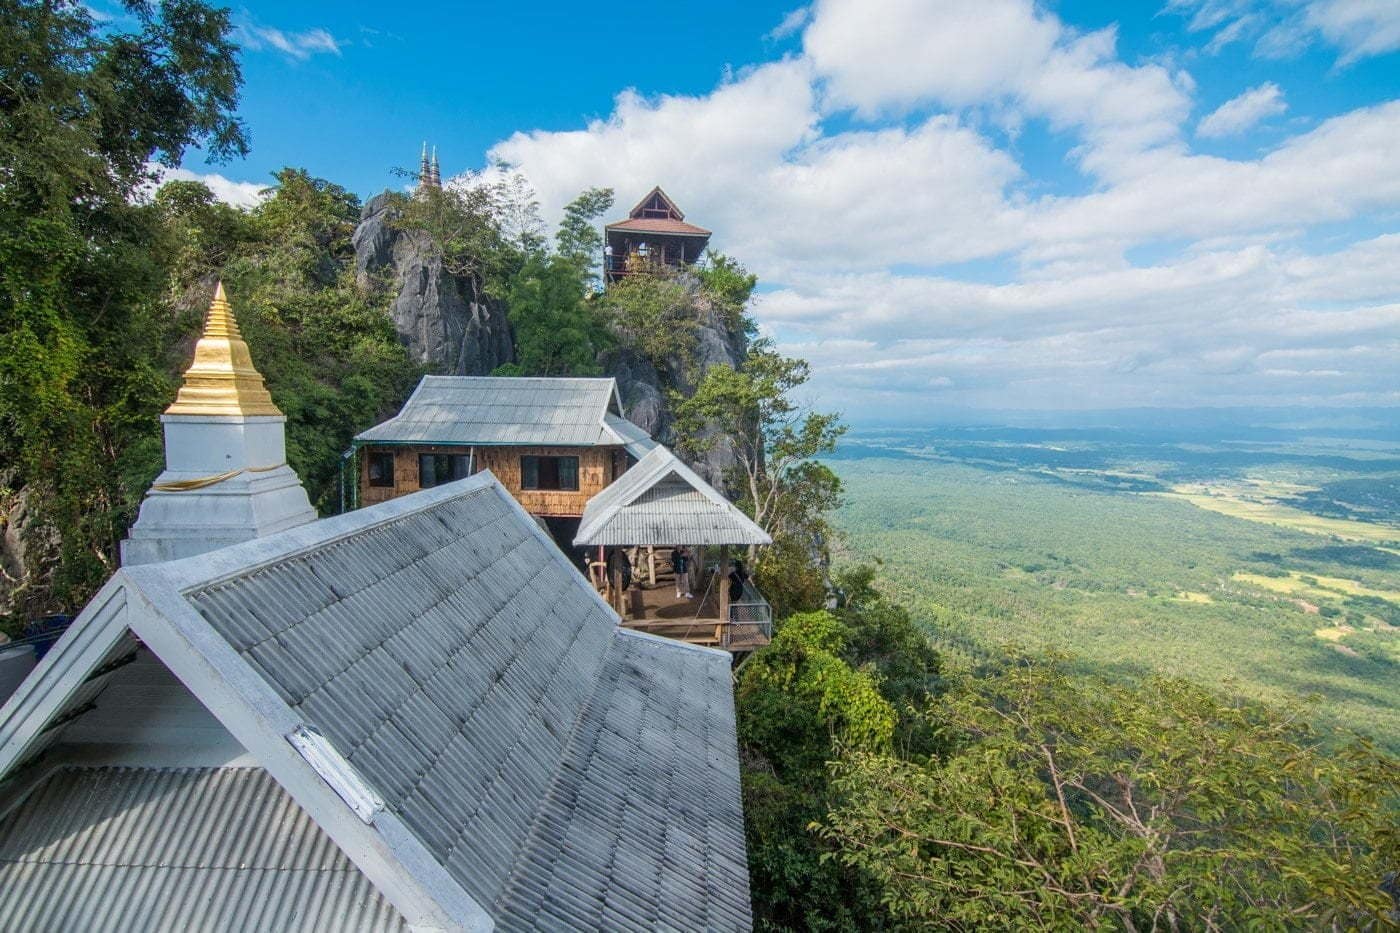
{"x": 619, "y": 598}
{"x": 724, "y": 585}
{"x": 651, "y": 564}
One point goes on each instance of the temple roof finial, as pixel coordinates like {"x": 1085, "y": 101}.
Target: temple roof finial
{"x": 222, "y": 379}
{"x": 435, "y": 173}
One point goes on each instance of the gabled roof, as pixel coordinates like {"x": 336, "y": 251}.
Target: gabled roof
{"x": 506, "y": 411}
{"x": 661, "y": 501}
{"x": 673, "y": 223}
{"x": 447, "y": 699}
{"x": 659, "y": 197}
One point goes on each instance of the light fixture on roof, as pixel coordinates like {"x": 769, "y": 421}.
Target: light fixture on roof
{"x": 336, "y": 771}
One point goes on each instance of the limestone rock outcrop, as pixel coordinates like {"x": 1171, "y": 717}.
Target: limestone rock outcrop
{"x": 646, "y": 388}
{"x": 444, "y": 320}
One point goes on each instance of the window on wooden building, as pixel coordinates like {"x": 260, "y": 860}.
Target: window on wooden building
{"x": 436, "y": 469}
{"x": 380, "y": 466}
{"x": 549, "y": 473}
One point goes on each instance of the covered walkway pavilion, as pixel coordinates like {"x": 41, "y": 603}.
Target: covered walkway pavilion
{"x": 657, "y": 505}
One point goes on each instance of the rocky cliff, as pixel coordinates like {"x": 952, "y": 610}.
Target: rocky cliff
{"x": 645, "y": 387}
{"x": 444, "y": 320}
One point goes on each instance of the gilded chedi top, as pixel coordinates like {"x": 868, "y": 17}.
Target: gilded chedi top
{"x": 222, "y": 380}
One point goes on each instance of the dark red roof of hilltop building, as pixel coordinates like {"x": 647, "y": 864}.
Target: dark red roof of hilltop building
{"x": 657, "y": 213}
{"x": 659, "y": 225}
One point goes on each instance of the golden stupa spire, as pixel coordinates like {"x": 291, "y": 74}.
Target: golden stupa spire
{"x": 222, "y": 380}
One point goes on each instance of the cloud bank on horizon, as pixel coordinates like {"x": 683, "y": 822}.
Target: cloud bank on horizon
{"x": 877, "y": 183}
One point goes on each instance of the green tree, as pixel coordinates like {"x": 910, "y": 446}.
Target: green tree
{"x": 328, "y": 350}
{"x": 578, "y": 240}
{"x": 464, "y": 224}
{"x": 84, "y": 340}
{"x": 517, "y": 210}
{"x": 798, "y": 701}
{"x": 1074, "y": 802}
{"x": 556, "y": 332}
{"x": 655, "y": 316}
{"x": 729, "y": 285}
{"x": 885, "y": 639}
{"x": 773, "y": 438}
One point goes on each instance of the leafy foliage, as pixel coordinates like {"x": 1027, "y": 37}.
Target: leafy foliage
{"x": 1071, "y": 802}
{"x": 556, "y": 332}
{"x": 772, "y": 437}
{"x": 84, "y": 341}
{"x": 654, "y": 315}
{"x": 726, "y": 282}
{"x": 329, "y": 353}
{"x": 819, "y": 687}
{"x": 1131, "y": 584}
{"x": 579, "y": 243}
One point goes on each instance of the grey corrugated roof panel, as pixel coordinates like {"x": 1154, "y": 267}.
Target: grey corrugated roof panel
{"x": 689, "y": 875}
{"x": 487, "y": 410}
{"x": 176, "y": 849}
{"x": 469, "y": 678}
{"x": 661, "y": 501}
{"x": 638, "y": 442}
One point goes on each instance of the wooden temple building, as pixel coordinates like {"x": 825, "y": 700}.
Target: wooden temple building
{"x": 654, "y": 236}
{"x": 611, "y": 497}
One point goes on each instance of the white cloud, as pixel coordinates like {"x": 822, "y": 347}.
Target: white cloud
{"x": 791, "y": 23}
{"x": 883, "y": 56}
{"x": 704, "y": 151}
{"x": 1333, "y": 173}
{"x": 1360, "y": 28}
{"x": 296, "y": 45}
{"x": 1243, "y": 112}
{"x": 1247, "y": 327}
{"x": 238, "y": 193}
{"x": 1284, "y": 28}
{"x": 914, "y": 260}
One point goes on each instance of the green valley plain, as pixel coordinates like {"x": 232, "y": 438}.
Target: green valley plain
{"x": 1261, "y": 559}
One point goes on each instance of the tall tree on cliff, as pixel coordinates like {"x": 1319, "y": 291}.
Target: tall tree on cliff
{"x": 83, "y": 339}
{"x": 557, "y": 331}
{"x": 774, "y": 440}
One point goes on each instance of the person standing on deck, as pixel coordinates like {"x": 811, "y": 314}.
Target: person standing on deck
{"x": 738, "y": 576}
{"x": 680, "y": 563}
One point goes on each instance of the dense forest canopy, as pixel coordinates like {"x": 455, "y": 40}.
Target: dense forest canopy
{"x": 883, "y": 790}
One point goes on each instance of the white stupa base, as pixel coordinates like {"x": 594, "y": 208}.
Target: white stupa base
{"x": 253, "y": 503}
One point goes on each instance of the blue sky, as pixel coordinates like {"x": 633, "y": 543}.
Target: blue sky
{"x": 951, "y": 203}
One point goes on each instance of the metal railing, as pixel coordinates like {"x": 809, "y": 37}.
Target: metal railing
{"x": 750, "y": 620}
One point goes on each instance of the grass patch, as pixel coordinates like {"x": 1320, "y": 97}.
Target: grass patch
{"x": 1251, "y": 502}
{"x": 1316, "y": 586}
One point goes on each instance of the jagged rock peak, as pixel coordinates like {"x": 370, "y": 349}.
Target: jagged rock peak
{"x": 444, "y": 320}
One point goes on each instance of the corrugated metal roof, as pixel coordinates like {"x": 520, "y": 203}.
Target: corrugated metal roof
{"x": 176, "y": 849}
{"x": 468, "y": 677}
{"x": 638, "y": 442}
{"x": 661, "y": 501}
{"x": 449, "y": 656}
{"x": 657, "y": 706}
{"x": 446, "y": 655}
{"x": 500, "y": 410}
